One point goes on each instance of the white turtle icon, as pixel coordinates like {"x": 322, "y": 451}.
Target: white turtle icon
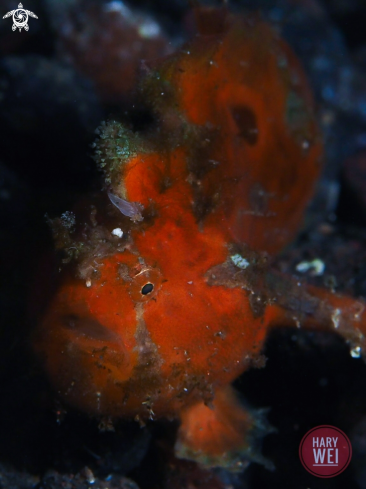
{"x": 20, "y": 18}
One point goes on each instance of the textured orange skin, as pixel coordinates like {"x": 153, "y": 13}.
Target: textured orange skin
{"x": 241, "y": 178}
{"x": 194, "y": 326}
{"x": 204, "y": 335}
{"x": 262, "y": 189}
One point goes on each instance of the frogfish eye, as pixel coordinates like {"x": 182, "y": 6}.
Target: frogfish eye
{"x": 147, "y": 288}
{"x": 145, "y": 284}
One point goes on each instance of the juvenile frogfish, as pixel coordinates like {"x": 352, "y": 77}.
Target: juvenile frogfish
{"x": 166, "y": 294}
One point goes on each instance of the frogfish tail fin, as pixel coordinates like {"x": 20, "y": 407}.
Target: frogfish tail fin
{"x": 224, "y": 434}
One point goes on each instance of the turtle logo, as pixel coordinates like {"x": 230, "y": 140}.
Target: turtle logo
{"x": 20, "y": 18}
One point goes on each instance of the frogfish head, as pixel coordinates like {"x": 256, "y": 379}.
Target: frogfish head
{"x": 137, "y": 328}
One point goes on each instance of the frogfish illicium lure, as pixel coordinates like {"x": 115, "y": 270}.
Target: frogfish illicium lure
{"x": 168, "y": 296}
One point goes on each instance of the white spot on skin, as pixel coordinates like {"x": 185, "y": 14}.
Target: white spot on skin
{"x": 316, "y": 267}
{"x": 239, "y": 261}
{"x": 359, "y": 311}
{"x": 336, "y": 317}
{"x": 117, "y": 232}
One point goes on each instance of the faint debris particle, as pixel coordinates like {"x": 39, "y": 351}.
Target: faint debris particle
{"x": 305, "y": 144}
{"x": 68, "y": 220}
{"x": 239, "y": 261}
{"x": 315, "y": 267}
{"x": 119, "y": 7}
{"x": 149, "y": 29}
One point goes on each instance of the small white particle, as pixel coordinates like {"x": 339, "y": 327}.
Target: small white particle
{"x": 118, "y": 232}
{"x": 315, "y": 267}
{"x": 88, "y": 283}
{"x": 356, "y": 352}
{"x": 336, "y": 318}
{"x": 239, "y": 261}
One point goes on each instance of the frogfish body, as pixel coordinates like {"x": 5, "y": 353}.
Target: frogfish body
{"x": 168, "y": 295}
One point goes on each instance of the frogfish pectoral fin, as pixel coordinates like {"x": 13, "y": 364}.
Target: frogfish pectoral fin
{"x": 314, "y": 308}
{"x": 225, "y": 434}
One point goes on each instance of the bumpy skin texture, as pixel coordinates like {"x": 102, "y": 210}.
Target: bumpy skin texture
{"x": 223, "y": 179}
{"x": 255, "y": 167}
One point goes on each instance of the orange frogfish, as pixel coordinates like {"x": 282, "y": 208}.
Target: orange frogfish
{"x": 166, "y": 294}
